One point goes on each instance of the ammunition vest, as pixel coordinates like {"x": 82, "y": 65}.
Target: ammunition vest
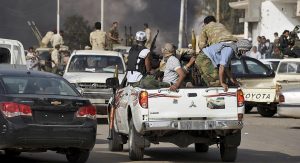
{"x": 133, "y": 57}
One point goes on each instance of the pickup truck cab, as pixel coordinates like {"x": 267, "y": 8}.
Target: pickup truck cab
{"x": 12, "y": 52}
{"x": 199, "y": 116}
{"x": 88, "y": 70}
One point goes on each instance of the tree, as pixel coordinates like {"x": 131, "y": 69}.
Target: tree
{"x": 77, "y": 32}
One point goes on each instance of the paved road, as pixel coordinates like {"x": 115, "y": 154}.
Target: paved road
{"x": 263, "y": 140}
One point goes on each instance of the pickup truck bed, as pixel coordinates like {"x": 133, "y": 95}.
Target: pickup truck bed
{"x": 203, "y": 116}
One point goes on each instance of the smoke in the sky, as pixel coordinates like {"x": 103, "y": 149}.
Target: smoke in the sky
{"x": 159, "y": 14}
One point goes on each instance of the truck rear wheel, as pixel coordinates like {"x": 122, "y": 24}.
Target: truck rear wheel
{"x": 228, "y": 154}
{"x": 12, "y": 152}
{"x": 266, "y": 111}
{"x": 201, "y": 147}
{"x": 114, "y": 144}
{"x": 136, "y": 153}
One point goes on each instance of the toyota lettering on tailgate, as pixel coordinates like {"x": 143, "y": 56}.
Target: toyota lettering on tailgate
{"x": 259, "y": 95}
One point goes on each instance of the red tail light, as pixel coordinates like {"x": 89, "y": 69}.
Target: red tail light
{"x": 281, "y": 98}
{"x": 88, "y": 111}
{"x": 240, "y": 98}
{"x": 143, "y": 99}
{"x": 11, "y": 109}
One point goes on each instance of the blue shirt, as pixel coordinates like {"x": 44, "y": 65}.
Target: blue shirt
{"x": 219, "y": 58}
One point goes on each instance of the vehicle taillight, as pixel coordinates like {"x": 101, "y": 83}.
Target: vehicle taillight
{"x": 281, "y": 98}
{"x": 240, "y": 98}
{"x": 88, "y": 111}
{"x": 143, "y": 99}
{"x": 11, "y": 109}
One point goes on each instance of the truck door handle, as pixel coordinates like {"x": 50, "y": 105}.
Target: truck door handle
{"x": 210, "y": 89}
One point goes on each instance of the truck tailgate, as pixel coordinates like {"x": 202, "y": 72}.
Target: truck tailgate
{"x": 193, "y": 103}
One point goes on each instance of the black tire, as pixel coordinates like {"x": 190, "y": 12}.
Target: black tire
{"x": 136, "y": 153}
{"x": 77, "y": 155}
{"x": 228, "y": 154}
{"x": 201, "y": 147}
{"x": 248, "y": 108}
{"x": 114, "y": 144}
{"x": 11, "y": 152}
{"x": 266, "y": 111}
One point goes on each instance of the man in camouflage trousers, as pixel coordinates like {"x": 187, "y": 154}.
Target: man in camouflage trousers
{"x": 214, "y": 58}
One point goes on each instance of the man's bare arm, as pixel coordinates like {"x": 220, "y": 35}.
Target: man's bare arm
{"x": 181, "y": 75}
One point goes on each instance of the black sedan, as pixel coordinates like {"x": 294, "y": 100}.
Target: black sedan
{"x": 41, "y": 111}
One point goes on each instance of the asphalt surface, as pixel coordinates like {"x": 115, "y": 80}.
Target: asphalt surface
{"x": 265, "y": 140}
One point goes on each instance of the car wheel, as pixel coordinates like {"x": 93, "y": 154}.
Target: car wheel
{"x": 77, "y": 155}
{"x": 248, "y": 108}
{"x": 201, "y": 147}
{"x": 266, "y": 111}
{"x": 11, "y": 152}
{"x": 228, "y": 154}
{"x": 136, "y": 153}
{"x": 114, "y": 144}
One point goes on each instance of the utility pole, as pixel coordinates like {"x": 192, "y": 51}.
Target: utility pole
{"x": 181, "y": 23}
{"x": 102, "y": 15}
{"x": 57, "y": 28}
{"x": 218, "y": 11}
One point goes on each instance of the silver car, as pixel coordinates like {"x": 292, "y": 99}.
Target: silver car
{"x": 290, "y": 104}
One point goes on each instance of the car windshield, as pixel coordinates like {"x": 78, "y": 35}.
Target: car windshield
{"x": 37, "y": 85}
{"x": 95, "y": 64}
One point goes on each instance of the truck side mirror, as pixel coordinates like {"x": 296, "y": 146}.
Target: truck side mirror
{"x": 112, "y": 82}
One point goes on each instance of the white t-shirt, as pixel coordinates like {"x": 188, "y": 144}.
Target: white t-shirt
{"x": 256, "y": 55}
{"x": 170, "y": 74}
{"x": 136, "y": 76}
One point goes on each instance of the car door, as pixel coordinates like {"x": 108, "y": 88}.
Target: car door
{"x": 252, "y": 73}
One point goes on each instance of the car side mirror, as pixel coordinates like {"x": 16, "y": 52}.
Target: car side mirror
{"x": 112, "y": 82}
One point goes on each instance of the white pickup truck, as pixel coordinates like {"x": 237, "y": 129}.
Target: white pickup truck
{"x": 199, "y": 116}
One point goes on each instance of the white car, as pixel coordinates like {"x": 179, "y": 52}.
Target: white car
{"x": 288, "y": 73}
{"x": 290, "y": 104}
{"x": 12, "y": 52}
{"x": 88, "y": 71}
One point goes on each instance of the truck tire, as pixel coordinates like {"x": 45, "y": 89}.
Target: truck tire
{"x": 228, "y": 154}
{"x": 77, "y": 155}
{"x": 114, "y": 144}
{"x": 136, "y": 153}
{"x": 11, "y": 152}
{"x": 266, "y": 111}
{"x": 248, "y": 108}
{"x": 201, "y": 147}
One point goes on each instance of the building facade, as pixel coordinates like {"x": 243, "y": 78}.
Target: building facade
{"x": 265, "y": 17}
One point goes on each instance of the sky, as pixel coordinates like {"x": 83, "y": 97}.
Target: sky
{"x": 159, "y": 14}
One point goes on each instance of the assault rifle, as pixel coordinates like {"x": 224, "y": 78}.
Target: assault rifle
{"x": 155, "y": 58}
